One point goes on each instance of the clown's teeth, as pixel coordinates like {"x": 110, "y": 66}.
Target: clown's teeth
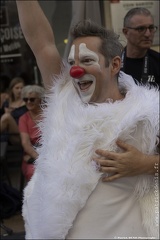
{"x": 84, "y": 85}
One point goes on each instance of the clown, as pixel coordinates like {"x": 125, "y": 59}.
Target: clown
{"x": 90, "y": 66}
{"x": 89, "y": 106}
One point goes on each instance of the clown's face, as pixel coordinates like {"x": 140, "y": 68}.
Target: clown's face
{"x": 89, "y": 73}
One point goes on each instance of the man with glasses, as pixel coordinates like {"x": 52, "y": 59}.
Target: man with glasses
{"x": 138, "y": 60}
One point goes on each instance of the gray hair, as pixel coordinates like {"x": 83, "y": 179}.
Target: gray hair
{"x": 135, "y": 11}
{"x": 33, "y": 88}
{"x": 110, "y": 47}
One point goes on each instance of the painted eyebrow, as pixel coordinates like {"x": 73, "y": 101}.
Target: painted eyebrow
{"x": 88, "y": 56}
{"x": 83, "y": 56}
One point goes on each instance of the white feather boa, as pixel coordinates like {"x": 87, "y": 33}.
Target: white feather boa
{"x": 71, "y": 132}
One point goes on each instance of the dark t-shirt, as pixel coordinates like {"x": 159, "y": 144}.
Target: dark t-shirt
{"x": 17, "y": 112}
{"x": 134, "y": 67}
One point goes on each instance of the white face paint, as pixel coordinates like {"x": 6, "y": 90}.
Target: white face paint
{"x": 81, "y": 84}
{"x": 85, "y": 85}
{"x": 84, "y": 52}
{"x": 71, "y": 54}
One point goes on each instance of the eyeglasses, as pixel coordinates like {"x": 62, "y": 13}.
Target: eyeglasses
{"x": 29, "y": 99}
{"x": 143, "y": 29}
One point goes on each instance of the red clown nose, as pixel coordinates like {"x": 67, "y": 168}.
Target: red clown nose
{"x": 77, "y": 72}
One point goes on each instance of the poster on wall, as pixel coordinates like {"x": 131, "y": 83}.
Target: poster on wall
{"x": 16, "y": 58}
{"x": 118, "y": 10}
{"x": 10, "y": 36}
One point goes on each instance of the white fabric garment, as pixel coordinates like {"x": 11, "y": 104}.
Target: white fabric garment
{"x": 111, "y": 212}
{"x": 65, "y": 175}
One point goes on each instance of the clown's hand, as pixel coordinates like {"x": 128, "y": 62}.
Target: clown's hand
{"x": 130, "y": 162}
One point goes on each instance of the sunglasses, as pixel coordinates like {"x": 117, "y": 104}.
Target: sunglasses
{"x": 29, "y": 99}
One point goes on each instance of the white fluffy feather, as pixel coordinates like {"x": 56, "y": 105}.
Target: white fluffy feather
{"x": 71, "y": 132}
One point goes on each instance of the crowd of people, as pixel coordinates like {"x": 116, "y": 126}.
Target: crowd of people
{"x": 91, "y": 156}
{"x": 99, "y": 124}
{"x": 20, "y": 109}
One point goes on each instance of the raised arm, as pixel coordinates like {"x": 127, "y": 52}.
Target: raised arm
{"x": 39, "y": 36}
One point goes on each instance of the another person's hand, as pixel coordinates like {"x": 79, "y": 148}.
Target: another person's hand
{"x": 29, "y": 159}
{"x": 130, "y": 162}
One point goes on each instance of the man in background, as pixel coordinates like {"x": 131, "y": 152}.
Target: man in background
{"x": 138, "y": 60}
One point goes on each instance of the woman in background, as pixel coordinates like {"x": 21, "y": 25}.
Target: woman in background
{"x": 13, "y": 108}
{"x": 29, "y": 132}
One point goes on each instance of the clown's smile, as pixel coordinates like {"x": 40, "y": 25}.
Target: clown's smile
{"x": 84, "y": 85}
